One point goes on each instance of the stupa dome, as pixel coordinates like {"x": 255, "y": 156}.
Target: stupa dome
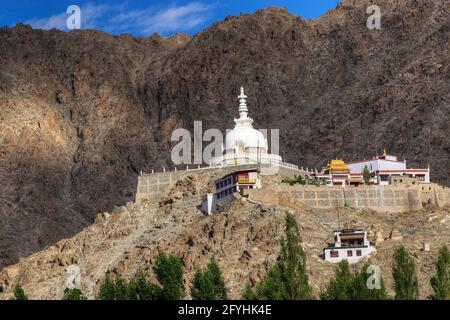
{"x": 245, "y": 138}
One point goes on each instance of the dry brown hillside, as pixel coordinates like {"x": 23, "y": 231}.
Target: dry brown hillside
{"x": 244, "y": 240}
{"x": 83, "y": 112}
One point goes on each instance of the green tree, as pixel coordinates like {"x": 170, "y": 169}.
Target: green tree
{"x": 107, "y": 290}
{"x": 360, "y": 289}
{"x": 169, "y": 271}
{"x": 273, "y": 286}
{"x": 248, "y": 293}
{"x": 141, "y": 289}
{"x": 441, "y": 281}
{"x": 349, "y": 286}
{"x": 340, "y": 288}
{"x": 209, "y": 283}
{"x": 73, "y": 294}
{"x": 366, "y": 175}
{"x": 293, "y": 263}
{"x": 122, "y": 289}
{"x": 405, "y": 278}
{"x": 117, "y": 290}
{"x": 19, "y": 293}
{"x": 287, "y": 279}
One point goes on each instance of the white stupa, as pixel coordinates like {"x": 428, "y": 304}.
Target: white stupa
{"x": 245, "y": 144}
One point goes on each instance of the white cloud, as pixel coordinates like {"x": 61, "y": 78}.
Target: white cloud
{"x": 176, "y": 18}
{"x": 172, "y": 19}
{"x": 90, "y": 18}
{"x": 57, "y": 21}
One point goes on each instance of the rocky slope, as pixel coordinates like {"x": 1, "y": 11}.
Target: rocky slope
{"x": 82, "y": 112}
{"x": 244, "y": 239}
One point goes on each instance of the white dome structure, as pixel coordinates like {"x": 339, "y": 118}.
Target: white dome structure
{"x": 245, "y": 144}
{"x": 244, "y": 138}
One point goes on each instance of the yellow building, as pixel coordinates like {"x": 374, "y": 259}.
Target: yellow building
{"x": 337, "y": 172}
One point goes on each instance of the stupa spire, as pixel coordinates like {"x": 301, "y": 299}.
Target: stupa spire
{"x": 243, "y": 110}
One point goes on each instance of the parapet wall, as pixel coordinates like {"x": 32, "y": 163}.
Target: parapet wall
{"x": 392, "y": 198}
{"x": 153, "y": 185}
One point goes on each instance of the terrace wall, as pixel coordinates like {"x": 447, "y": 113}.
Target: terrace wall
{"x": 392, "y": 198}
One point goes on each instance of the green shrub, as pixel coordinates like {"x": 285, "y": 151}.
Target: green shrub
{"x": 73, "y": 294}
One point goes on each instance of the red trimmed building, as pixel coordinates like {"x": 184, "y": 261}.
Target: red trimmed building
{"x": 386, "y": 167}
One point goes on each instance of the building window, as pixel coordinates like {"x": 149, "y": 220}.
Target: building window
{"x": 218, "y": 195}
{"x": 349, "y": 253}
{"x": 334, "y": 254}
{"x": 358, "y": 253}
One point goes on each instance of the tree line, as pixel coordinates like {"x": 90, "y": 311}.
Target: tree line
{"x": 287, "y": 279}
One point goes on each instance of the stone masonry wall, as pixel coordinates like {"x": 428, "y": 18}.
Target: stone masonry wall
{"x": 152, "y": 186}
{"x": 392, "y": 198}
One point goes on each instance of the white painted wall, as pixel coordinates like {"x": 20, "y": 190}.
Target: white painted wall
{"x": 376, "y": 164}
{"x": 209, "y": 203}
{"x": 365, "y": 251}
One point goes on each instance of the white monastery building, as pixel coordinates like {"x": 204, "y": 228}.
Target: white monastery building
{"x": 227, "y": 186}
{"x": 349, "y": 244}
{"x": 383, "y": 168}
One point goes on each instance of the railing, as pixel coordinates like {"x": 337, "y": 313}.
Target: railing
{"x": 235, "y": 160}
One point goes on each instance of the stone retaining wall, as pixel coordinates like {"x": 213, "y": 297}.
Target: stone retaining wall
{"x": 393, "y": 198}
{"x": 152, "y": 186}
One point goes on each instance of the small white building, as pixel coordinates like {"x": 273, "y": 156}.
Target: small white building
{"x": 349, "y": 244}
{"x": 227, "y": 186}
{"x": 382, "y": 168}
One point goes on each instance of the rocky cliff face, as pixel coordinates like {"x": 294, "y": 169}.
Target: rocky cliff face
{"x": 83, "y": 112}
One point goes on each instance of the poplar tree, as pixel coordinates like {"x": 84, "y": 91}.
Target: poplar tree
{"x": 441, "y": 281}
{"x": 292, "y": 263}
{"x": 405, "y": 278}
{"x": 349, "y": 286}
{"x": 114, "y": 290}
{"x": 340, "y": 288}
{"x": 287, "y": 279}
{"x": 107, "y": 291}
{"x": 169, "y": 271}
{"x": 360, "y": 289}
{"x": 209, "y": 284}
{"x": 249, "y": 293}
{"x": 141, "y": 289}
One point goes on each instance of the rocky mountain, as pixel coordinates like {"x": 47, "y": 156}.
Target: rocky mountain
{"x": 244, "y": 240}
{"x": 83, "y": 112}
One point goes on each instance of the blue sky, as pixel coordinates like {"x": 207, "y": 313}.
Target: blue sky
{"x": 144, "y": 17}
